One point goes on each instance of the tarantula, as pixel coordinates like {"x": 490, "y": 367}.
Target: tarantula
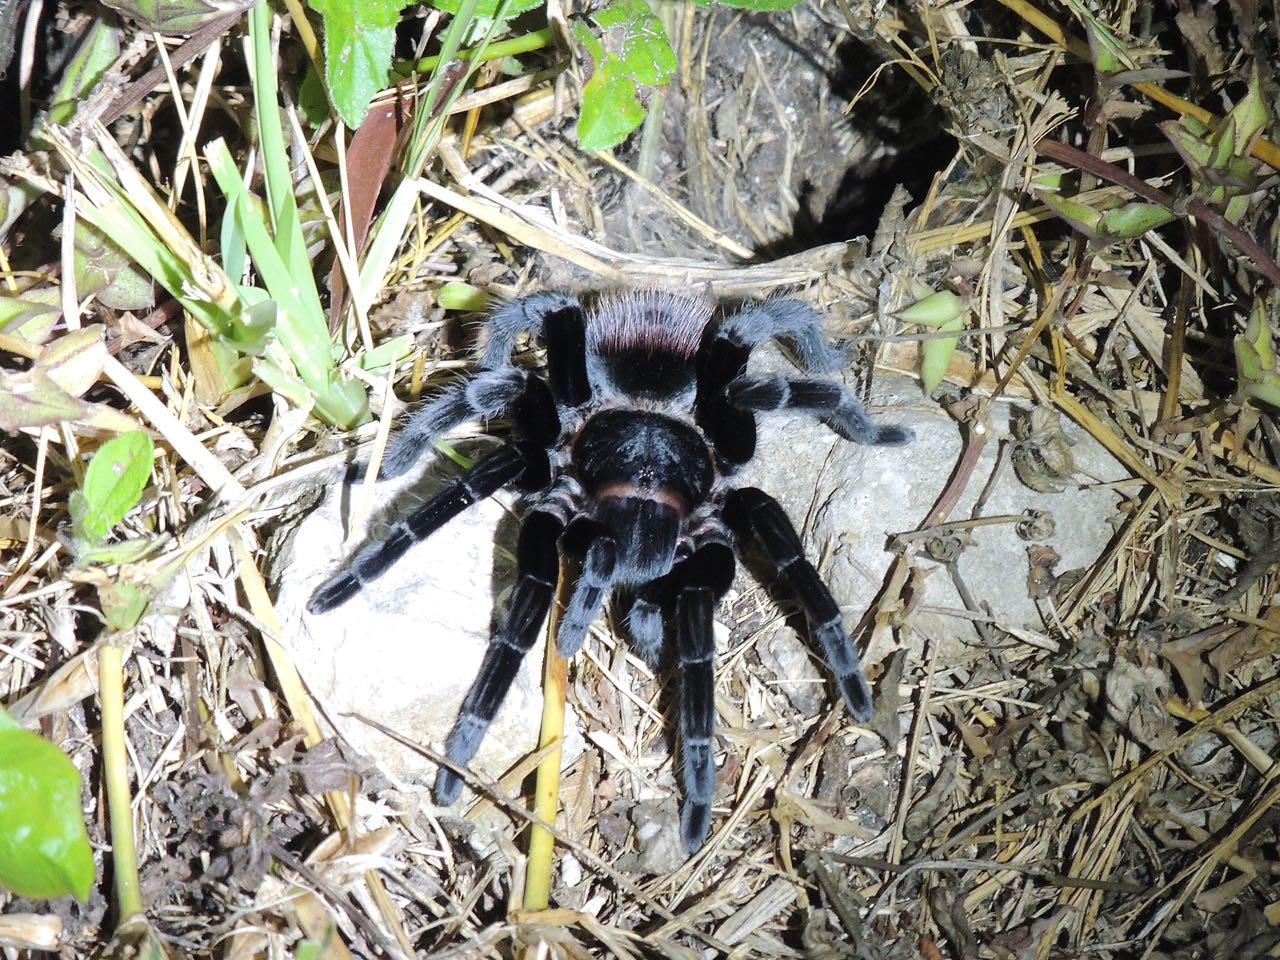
{"x": 625, "y": 452}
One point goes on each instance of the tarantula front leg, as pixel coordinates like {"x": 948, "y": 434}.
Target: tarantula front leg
{"x": 589, "y": 542}
{"x": 753, "y": 513}
{"x": 490, "y": 393}
{"x": 829, "y": 401}
{"x": 537, "y": 568}
{"x": 703, "y": 578}
{"x": 558, "y": 317}
{"x": 495, "y": 471}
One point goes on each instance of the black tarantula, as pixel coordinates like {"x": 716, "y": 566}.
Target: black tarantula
{"x": 625, "y": 452}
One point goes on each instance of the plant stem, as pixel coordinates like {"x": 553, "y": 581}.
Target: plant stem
{"x": 546, "y": 790}
{"x": 115, "y": 765}
{"x": 493, "y": 51}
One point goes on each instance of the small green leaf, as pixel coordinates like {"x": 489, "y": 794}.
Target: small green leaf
{"x": 935, "y": 355}
{"x": 934, "y": 310}
{"x": 1133, "y": 220}
{"x": 113, "y": 483}
{"x": 1083, "y": 218}
{"x": 44, "y": 847}
{"x": 358, "y": 39}
{"x": 35, "y": 400}
{"x": 106, "y": 271}
{"x": 462, "y": 296}
{"x": 384, "y": 354}
{"x": 1256, "y": 359}
{"x": 123, "y": 603}
{"x": 632, "y": 55}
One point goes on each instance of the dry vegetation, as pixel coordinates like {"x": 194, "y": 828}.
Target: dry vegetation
{"x": 1104, "y": 786}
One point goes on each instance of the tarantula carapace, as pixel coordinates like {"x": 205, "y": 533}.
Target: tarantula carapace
{"x": 625, "y": 452}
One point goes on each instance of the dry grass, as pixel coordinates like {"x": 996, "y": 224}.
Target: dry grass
{"x": 1111, "y": 794}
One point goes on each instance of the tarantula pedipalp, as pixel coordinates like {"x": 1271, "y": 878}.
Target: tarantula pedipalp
{"x": 625, "y": 453}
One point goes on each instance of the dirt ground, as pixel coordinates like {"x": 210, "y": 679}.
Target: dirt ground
{"x": 1096, "y": 782}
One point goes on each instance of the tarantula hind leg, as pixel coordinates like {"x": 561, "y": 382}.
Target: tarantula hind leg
{"x": 830, "y": 402}
{"x": 495, "y": 471}
{"x": 752, "y": 513}
{"x": 537, "y": 567}
{"x": 703, "y": 577}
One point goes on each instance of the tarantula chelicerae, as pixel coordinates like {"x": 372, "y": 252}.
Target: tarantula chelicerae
{"x": 625, "y": 452}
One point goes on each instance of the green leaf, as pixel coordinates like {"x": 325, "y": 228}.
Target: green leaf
{"x": 116, "y": 477}
{"x": 1081, "y": 217}
{"x": 1256, "y": 359}
{"x": 358, "y": 39}
{"x": 384, "y": 354}
{"x": 1133, "y": 220}
{"x": 935, "y": 355}
{"x": 182, "y": 17}
{"x": 44, "y": 847}
{"x": 35, "y": 400}
{"x": 934, "y": 309}
{"x": 631, "y": 56}
{"x": 94, "y": 55}
{"x": 462, "y": 296}
{"x": 105, "y": 270}
{"x": 123, "y": 603}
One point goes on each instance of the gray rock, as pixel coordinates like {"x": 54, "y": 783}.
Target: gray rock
{"x": 405, "y": 652}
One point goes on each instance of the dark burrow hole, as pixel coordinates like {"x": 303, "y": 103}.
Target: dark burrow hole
{"x": 903, "y": 136}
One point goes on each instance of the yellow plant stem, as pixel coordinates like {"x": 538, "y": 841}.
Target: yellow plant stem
{"x": 546, "y": 790}
{"x": 115, "y": 765}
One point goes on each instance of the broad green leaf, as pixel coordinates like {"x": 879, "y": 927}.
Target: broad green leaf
{"x": 632, "y": 55}
{"x": 116, "y": 477}
{"x": 358, "y": 39}
{"x": 44, "y": 847}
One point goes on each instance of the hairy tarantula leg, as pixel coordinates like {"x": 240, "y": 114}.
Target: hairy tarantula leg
{"x": 537, "y": 566}
{"x": 589, "y": 541}
{"x": 753, "y": 512}
{"x": 558, "y": 317}
{"x": 703, "y": 578}
{"x": 832, "y": 403}
{"x": 644, "y": 620}
{"x": 794, "y": 323}
{"x": 489, "y": 393}
{"x": 371, "y": 561}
